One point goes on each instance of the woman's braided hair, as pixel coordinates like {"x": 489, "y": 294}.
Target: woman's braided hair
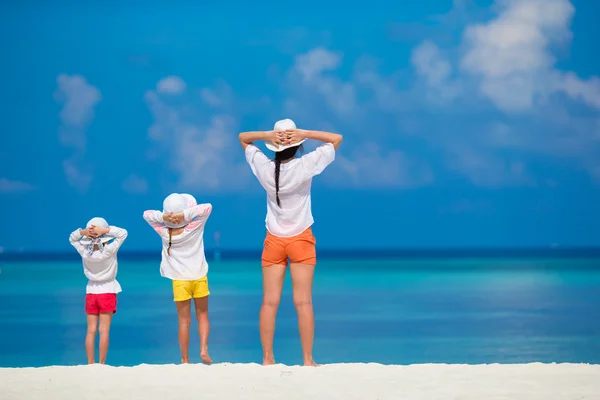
{"x": 279, "y": 157}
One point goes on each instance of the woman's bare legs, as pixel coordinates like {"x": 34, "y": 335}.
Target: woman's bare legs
{"x": 201, "y": 305}
{"x": 105, "y": 320}
{"x": 273, "y": 277}
{"x": 302, "y": 280}
{"x": 185, "y": 320}
{"x": 90, "y": 337}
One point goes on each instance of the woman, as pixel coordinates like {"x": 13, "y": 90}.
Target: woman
{"x": 287, "y": 181}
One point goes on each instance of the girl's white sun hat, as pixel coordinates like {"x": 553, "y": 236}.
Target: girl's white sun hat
{"x": 283, "y": 125}
{"x": 101, "y": 223}
{"x": 191, "y": 200}
{"x": 175, "y": 203}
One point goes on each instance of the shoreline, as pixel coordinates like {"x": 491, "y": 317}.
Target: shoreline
{"x": 331, "y": 381}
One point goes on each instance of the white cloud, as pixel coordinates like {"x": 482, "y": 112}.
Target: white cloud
{"x": 200, "y": 145}
{"x": 430, "y": 64}
{"x": 327, "y": 102}
{"x": 311, "y": 74}
{"x": 484, "y": 169}
{"x": 507, "y": 62}
{"x": 197, "y": 136}
{"x": 135, "y": 184}
{"x": 171, "y": 85}
{"x": 9, "y": 186}
{"x": 78, "y": 99}
{"x": 312, "y": 64}
{"x": 467, "y": 154}
{"x": 387, "y": 97}
{"x": 221, "y": 95}
{"x": 587, "y": 91}
{"x": 210, "y": 97}
{"x": 369, "y": 166}
{"x": 512, "y": 58}
{"x": 78, "y": 174}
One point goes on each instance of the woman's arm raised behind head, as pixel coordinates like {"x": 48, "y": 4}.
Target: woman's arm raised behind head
{"x": 247, "y": 138}
{"x": 327, "y": 137}
{"x": 296, "y": 135}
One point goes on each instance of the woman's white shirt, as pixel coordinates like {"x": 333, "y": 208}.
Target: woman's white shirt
{"x": 295, "y": 179}
{"x": 187, "y": 261}
{"x": 101, "y": 266}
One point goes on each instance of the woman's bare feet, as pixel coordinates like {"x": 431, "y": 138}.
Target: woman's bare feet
{"x": 185, "y": 361}
{"x": 205, "y": 357}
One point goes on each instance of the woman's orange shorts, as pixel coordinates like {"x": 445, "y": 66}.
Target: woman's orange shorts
{"x": 298, "y": 249}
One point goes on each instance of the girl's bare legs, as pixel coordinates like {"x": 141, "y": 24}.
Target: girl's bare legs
{"x": 302, "y": 280}
{"x": 105, "y": 320}
{"x": 201, "y": 305}
{"x": 273, "y": 277}
{"x": 90, "y": 337}
{"x": 183, "y": 314}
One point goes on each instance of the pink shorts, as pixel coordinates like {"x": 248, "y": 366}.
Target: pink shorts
{"x": 100, "y": 303}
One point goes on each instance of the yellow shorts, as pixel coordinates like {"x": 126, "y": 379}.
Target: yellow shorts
{"x": 185, "y": 290}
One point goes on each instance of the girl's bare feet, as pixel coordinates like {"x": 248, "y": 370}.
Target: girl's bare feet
{"x": 205, "y": 357}
{"x": 268, "y": 362}
{"x": 310, "y": 363}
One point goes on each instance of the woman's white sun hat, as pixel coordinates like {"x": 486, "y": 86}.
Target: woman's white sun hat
{"x": 175, "y": 203}
{"x": 283, "y": 125}
{"x": 99, "y": 222}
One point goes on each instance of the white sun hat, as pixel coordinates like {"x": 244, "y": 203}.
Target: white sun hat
{"x": 101, "y": 223}
{"x": 283, "y": 125}
{"x": 175, "y": 203}
{"x": 191, "y": 200}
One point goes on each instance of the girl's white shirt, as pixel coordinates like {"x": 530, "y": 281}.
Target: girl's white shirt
{"x": 101, "y": 266}
{"x": 187, "y": 261}
{"x": 295, "y": 180}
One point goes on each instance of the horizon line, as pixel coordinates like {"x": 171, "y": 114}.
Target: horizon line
{"x": 339, "y": 253}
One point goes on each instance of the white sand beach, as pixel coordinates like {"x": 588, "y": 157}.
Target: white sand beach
{"x": 335, "y": 381}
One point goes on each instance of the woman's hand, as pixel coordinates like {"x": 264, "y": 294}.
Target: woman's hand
{"x": 85, "y": 233}
{"x": 294, "y": 136}
{"x": 276, "y": 137}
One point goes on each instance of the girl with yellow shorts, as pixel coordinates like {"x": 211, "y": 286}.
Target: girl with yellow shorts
{"x": 181, "y": 228}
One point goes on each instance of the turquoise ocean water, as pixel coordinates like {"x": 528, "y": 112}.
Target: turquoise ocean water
{"x": 388, "y": 310}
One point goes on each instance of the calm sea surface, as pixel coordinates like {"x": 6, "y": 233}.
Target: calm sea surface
{"x": 391, "y": 311}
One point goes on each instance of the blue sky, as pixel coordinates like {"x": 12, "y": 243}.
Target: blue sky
{"x": 466, "y": 123}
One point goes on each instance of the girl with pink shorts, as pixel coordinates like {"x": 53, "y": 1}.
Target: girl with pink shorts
{"x": 98, "y": 244}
